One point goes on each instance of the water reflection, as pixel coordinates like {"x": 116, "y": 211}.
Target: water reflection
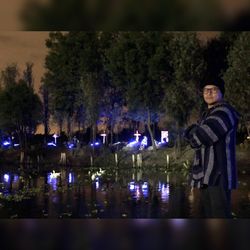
{"x": 52, "y": 179}
{"x": 163, "y": 188}
{"x": 104, "y": 193}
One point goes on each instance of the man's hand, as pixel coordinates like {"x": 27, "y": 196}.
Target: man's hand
{"x": 190, "y": 131}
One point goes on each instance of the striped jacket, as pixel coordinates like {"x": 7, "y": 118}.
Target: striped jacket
{"x": 214, "y": 139}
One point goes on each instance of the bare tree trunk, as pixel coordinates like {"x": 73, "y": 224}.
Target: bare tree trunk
{"x": 94, "y": 133}
{"x": 150, "y": 130}
{"x": 69, "y": 126}
{"x": 177, "y": 148}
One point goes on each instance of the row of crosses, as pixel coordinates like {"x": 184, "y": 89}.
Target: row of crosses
{"x": 137, "y": 135}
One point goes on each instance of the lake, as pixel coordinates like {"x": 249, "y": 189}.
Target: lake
{"x": 80, "y": 192}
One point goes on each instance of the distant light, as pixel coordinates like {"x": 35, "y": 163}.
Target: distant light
{"x": 117, "y": 143}
{"x": 137, "y": 135}
{"x": 6, "y": 143}
{"x": 71, "y": 178}
{"x": 96, "y": 174}
{"x": 6, "y": 177}
{"x": 132, "y": 186}
{"x": 137, "y": 193}
{"x": 95, "y": 144}
{"x": 53, "y": 174}
{"x": 16, "y": 145}
{"x": 164, "y": 137}
{"x": 132, "y": 144}
{"x": 145, "y": 189}
{"x": 71, "y": 145}
{"x": 97, "y": 184}
{"x": 165, "y": 192}
{"x": 51, "y": 144}
{"x": 16, "y": 178}
{"x": 52, "y": 179}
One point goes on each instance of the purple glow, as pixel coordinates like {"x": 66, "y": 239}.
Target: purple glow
{"x": 144, "y": 141}
{"x": 164, "y": 189}
{"x": 71, "y": 145}
{"x": 145, "y": 189}
{"x": 16, "y": 178}
{"x": 97, "y": 184}
{"x": 132, "y": 186}
{"x": 132, "y": 144}
{"x": 52, "y": 179}
{"x": 145, "y": 185}
{"x": 6, "y": 143}
{"x": 6, "y": 177}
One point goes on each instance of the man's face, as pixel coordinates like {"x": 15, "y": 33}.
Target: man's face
{"x": 211, "y": 94}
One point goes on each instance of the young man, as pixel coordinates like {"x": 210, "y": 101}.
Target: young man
{"x": 213, "y": 139}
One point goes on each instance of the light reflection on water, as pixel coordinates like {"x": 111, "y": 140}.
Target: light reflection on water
{"x": 136, "y": 193}
{"x": 52, "y": 179}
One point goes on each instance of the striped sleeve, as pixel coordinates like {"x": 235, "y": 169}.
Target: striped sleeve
{"x": 215, "y": 127}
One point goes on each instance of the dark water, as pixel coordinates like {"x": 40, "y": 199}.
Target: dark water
{"x": 105, "y": 193}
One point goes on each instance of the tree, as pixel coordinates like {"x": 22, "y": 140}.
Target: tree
{"x": 46, "y": 112}
{"x": 28, "y": 74}
{"x": 9, "y": 75}
{"x": 132, "y": 65}
{"x": 216, "y": 51}
{"x": 20, "y": 108}
{"x": 237, "y": 76}
{"x": 181, "y": 91}
{"x": 63, "y": 75}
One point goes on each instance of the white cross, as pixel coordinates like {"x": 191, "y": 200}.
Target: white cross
{"x": 55, "y": 136}
{"x": 137, "y": 135}
{"x": 103, "y": 137}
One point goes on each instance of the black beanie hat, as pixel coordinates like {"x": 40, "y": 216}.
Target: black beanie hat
{"x": 216, "y": 81}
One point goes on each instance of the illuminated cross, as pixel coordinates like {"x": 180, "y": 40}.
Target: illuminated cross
{"x": 103, "y": 137}
{"x": 55, "y": 136}
{"x": 137, "y": 135}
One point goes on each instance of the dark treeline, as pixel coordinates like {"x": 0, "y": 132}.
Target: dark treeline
{"x": 136, "y": 77}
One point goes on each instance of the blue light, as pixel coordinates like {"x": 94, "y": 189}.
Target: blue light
{"x": 52, "y": 179}
{"x": 131, "y": 186}
{"x": 51, "y": 144}
{"x": 16, "y": 145}
{"x": 165, "y": 192}
{"x": 94, "y": 144}
{"x": 144, "y": 141}
{"x": 97, "y": 184}
{"x": 16, "y": 178}
{"x": 145, "y": 185}
{"x": 70, "y": 145}
{"x": 145, "y": 189}
{"x": 6, "y": 177}
{"x": 6, "y": 143}
{"x": 71, "y": 178}
{"x": 132, "y": 144}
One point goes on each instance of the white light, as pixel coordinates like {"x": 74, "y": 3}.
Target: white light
{"x": 70, "y": 178}
{"x": 55, "y": 136}
{"x": 97, "y": 185}
{"x": 6, "y": 143}
{"x": 164, "y": 135}
{"x": 103, "y": 137}
{"x": 6, "y": 177}
{"x": 137, "y": 134}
